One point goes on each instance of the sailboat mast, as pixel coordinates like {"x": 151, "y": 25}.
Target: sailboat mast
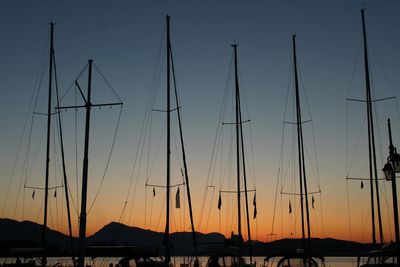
{"x": 82, "y": 222}
{"x": 46, "y": 190}
{"x": 64, "y": 167}
{"x": 245, "y": 183}
{"x": 299, "y": 141}
{"x": 184, "y": 157}
{"x": 66, "y": 185}
{"x": 166, "y": 233}
{"x": 302, "y": 168}
{"x": 371, "y": 141}
{"x": 237, "y": 141}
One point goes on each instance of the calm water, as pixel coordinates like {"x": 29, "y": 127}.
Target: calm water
{"x": 329, "y": 261}
{"x": 105, "y": 262}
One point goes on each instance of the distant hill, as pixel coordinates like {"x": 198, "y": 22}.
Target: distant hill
{"x": 28, "y": 234}
{"x": 123, "y": 235}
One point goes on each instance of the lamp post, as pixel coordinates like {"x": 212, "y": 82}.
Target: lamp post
{"x": 390, "y": 170}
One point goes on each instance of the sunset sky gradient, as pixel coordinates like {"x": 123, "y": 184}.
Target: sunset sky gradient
{"x": 124, "y": 37}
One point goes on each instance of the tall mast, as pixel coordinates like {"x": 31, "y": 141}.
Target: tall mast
{"x": 298, "y": 123}
{"x": 46, "y": 190}
{"x": 371, "y": 141}
{"x": 302, "y": 171}
{"x": 85, "y": 168}
{"x": 166, "y": 233}
{"x": 245, "y": 183}
{"x": 237, "y": 141}
{"x": 184, "y": 157}
{"x": 64, "y": 169}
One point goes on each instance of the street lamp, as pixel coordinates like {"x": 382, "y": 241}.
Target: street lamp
{"x": 388, "y": 171}
{"x": 393, "y": 165}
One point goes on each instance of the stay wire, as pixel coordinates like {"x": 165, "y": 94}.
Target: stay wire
{"x": 38, "y": 81}
{"x": 24, "y": 173}
{"x": 214, "y": 153}
{"x": 108, "y": 161}
{"x": 73, "y": 83}
{"x": 386, "y": 78}
{"x": 142, "y": 140}
{"x": 107, "y": 82}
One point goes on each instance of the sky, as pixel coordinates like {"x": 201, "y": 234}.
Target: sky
{"x": 124, "y": 37}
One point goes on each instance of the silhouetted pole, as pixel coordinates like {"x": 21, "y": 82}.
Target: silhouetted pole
{"x": 82, "y": 225}
{"x": 166, "y": 233}
{"x": 237, "y": 143}
{"x": 65, "y": 174}
{"x": 394, "y": 194}
{"x": 85, "y": 169}
{"x": 245, "y": 185}
{"x": 299, "y": 140}
{"x": 186, "y": 173}
{"x": 371, "y": 141}
{"x": 46, "y": 189}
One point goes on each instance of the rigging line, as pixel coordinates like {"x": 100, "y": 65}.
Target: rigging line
{"x": 348, "y": 209}
{"x": 173, "y": 217}
{"x": 156, "y": 153}
{"x": 313, "y": 167}
{"x": 152, "y": 98}
{"x": 185, "y": 177}
{"x": 291, "y": 164}
{"x": 55, "y": 170}
{"x": 30, "y": 168}
{"x": 177, "y": 150}
{"x": 66, "y": 189}
{"x": 322, "y": 216}
{"x": 347, "y": 139}
{"x": 357, "y": 144}
{"x": 108, "y": 161}
{"x": 38, "y": 81}
{"x": 377, "y": 118}
{"x": 72, "y": 198}
{"x": 73, "y": 83}
{"x": 108, "y": 84}
{"x": 163, "y": 186}
{"x": 252, "y": 155}
{"x": 275, "y": 200}
{"x": 150, "y": 103}
{"x": 76, "y": 152}
{"x": 305, "y": 96}
{"x": 24, "y": 172}
{"x": 40, "y": 211}
{"x": 139, "y": 157}
{"x": 354, "y": 67}
{"x": 315, "y": 156}
{"x": 209, "y": 210}
{"x": 215, "y": 148}
{"x": 120, "y": 219}
{"x": 145, "y": 209}
{"x": 162, "y": 209}
{"x": 281, "y": 159}
{"x": 371, "y": 48}
{"x": 224, "y": 173}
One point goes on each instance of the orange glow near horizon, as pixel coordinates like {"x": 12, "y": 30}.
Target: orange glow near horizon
{"x": 335, "y": 223}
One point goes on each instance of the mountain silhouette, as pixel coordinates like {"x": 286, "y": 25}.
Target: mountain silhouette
{"x": 15, "y": 234}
